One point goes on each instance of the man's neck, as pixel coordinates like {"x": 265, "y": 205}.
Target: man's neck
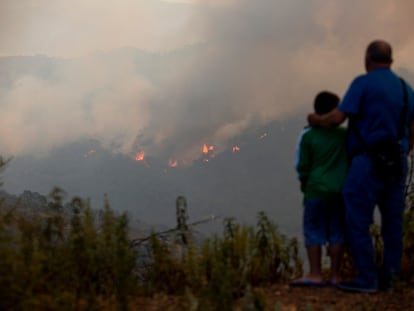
{"x": 374, "y": 66}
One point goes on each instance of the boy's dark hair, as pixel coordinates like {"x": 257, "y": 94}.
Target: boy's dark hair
{"x": 325, "y": 102}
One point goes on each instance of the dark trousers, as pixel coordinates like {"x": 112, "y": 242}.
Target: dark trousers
{"x": 363, "y": 191}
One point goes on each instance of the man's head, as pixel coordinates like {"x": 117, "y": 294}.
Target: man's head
{"x": 378, "y": 54}
{"x": 325, "y": 102}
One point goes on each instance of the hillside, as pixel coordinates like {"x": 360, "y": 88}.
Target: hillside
{"x": 258, "y": 177}
{"x": 252, "y": 171}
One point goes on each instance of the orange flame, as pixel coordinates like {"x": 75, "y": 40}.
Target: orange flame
{"x": 140, "y": 156}
{"x": 172, "y": 163}
{"x": 206, "y": 148}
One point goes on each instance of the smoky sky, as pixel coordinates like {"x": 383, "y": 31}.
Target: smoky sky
{"x": 255, "y": 61}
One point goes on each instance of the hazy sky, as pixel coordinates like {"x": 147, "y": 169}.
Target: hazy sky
{"x": 260, "y": 60}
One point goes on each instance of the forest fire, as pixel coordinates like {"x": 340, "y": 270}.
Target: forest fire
{"x": 172, "y": 163}
{"x": 140, "y": 156}
{"x": 207, "y": 149}
{"x": 208, "y": 152}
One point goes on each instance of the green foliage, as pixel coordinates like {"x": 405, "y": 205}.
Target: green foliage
{"x": 60, "y": 259}
{"x": 275, "y": 257}
{"x": 223, "y": 268}
{"x": 76, "y": 260}
{"x": 165, "y": 273}
{"x": 55, "y": 261}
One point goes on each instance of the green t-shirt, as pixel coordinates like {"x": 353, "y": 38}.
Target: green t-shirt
{"x": 322, "y": 161}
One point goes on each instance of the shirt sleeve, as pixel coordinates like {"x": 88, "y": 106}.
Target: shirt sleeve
{"x": 352, "y": 99}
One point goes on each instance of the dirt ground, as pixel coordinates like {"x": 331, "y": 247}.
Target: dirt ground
{"x": 284, "y": 298}
{"x": 333, "y": 299}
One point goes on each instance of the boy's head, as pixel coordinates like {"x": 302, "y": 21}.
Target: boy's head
{"x": 325, "y": 102}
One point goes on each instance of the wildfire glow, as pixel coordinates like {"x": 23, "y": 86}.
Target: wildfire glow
{"x": 140, "y": 156}
{"x": 172, "y": 163}
{"x": 236, "y": 148}
{"x": 206, "y": 148}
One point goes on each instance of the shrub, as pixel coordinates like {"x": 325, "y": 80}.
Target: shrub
{"x": 220, "y": 270}
{"x": 54, "y": 260}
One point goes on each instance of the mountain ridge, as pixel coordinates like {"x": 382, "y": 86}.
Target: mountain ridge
{"x": 231, "y": 184}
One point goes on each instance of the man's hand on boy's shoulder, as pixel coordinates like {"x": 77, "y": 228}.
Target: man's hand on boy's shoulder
{"x": 331, "y": 119}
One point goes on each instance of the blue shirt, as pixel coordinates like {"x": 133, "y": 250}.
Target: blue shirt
{"x": 373, "y": 104}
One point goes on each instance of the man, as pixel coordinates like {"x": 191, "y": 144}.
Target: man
{"x": 373, "y": 104}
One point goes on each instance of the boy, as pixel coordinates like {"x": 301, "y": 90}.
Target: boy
{"x": 321, "y": 164}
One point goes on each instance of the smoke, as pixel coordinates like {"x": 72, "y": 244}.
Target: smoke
{"x": 91, "y": 97}
{"x": 254, "y": 61}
